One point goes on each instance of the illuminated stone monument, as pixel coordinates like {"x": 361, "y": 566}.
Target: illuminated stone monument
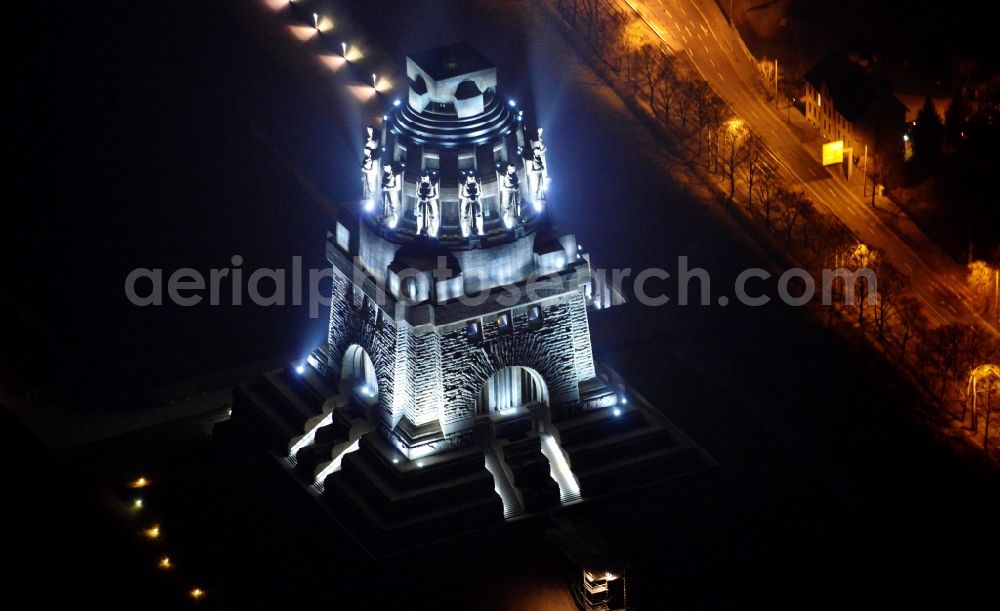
{"x": 457, "y": 387}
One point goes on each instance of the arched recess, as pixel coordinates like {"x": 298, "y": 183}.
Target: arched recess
{"x": 357, "y": 373}
{"x": 509, "y": 388}
{"x": 463, "y": 380}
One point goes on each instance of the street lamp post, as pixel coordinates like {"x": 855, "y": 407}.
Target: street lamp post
{"x": 776, "y": 83}
{"x": 864, "y": 173}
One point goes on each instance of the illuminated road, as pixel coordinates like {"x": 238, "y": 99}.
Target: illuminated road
{"x": 699, "y": 29}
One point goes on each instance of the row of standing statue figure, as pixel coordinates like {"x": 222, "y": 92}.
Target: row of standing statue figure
{"x": 428, "y": 201}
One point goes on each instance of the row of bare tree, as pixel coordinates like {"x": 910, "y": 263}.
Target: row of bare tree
{"x": 669, "y": 91}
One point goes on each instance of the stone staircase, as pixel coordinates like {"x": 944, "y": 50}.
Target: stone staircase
{"x": 389, "y": 501}
{"x": 513, "y": 505}
{"x": 623, "y": 446}
{"x": 569, "y": 487}
{"x": 530, "y": 473}
{"x": 524, "y": 464}
{"x": 520, "y": 446}
{"x": 279, "y": 404}
{"x": 328, "y": 437}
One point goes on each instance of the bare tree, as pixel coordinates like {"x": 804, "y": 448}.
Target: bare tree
{"x": 668, "y": 87}
{"x": 979, "y": 347}
{"x": 830, "y": 242}
{"x": 981, "y": 284}
{"x": 859, "y": 257}
{"x": 600, "y": 26}
{"x": 632, "y": 37}
{"x": 791, "y": 206}
{"x": 942, "y": 350}
{"x": 592, "y": 19}
{"x": 911, "y": 321}
{"x": 654, "y": 67}
{"x": 892, "y": 285}
{"x": 755, "y": 165}
{"x": 708, "y": 109}
{"x": 767, "y": 186}
{"x": 733, "y": 140}
{"x": 688, "y": 97}
{"x": 766, "y": 71}
{"x": 810, "y": 219}
{"x": 952, "y": 350}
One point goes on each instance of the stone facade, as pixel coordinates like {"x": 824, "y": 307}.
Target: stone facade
{"x": 548, "y": 347}
{"x": 432, "y": 375}
{"x": 355, "y": 320}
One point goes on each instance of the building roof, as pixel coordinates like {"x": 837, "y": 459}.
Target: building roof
{"x": 451, "y": 60}
{"x": 852, "y": 88}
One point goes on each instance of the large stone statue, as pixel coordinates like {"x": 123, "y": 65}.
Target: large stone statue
{"x": 370, "y": 142}
{"x": 537, "y": 172}
{"x": 472, "y": 207}
{"x": 392, "y": 186}
{"x": 369, "y": 177}
{"x": 510, "y": 197}
{"x": 369, "y": 169}
{"x": 428, "y": 206}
